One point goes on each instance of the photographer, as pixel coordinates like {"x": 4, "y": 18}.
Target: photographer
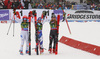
{"x": 1, "y": 4}
{"x": 26, "y": 3}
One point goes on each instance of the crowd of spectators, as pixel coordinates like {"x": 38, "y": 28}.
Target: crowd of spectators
{"x": 2, "y": 4}
{"x": 33, "y": 5}
{"x": 53, "y": 5}
{"x": 41, "y": 5}
{"x": 10, "y": 4}
{"x": 95, "y": 6}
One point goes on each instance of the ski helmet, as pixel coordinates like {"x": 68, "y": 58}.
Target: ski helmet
{"x": 39, "y": 18}
{"x": 25, "y": 17}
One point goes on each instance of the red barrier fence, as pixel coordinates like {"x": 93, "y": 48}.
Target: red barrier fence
{"x": 81, "y": 45}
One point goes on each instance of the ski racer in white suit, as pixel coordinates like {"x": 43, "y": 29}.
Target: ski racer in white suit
{"x": 24, "y": 32}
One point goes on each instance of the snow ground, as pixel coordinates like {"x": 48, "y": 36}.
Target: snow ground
{"x": 85, "y": 32}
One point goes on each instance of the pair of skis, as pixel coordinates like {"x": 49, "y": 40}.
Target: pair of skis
{"x": 37, "y": 41}
{"x": 58, "y": 21}
{"x": 35, "y": 17}
{"x": 37, "y": 52}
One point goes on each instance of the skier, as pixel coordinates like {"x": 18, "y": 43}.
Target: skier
{"x": 24, "y": 33}
{"x": 53, "y": 33}
{"x": 39, "y": 33}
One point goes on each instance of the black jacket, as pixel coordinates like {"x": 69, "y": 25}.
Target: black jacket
{"x": 26, "y": 3}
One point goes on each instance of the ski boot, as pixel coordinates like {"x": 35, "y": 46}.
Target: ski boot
{"x": 41, "y": 50}
{"x": 35, "y": 49}
{"x": 27, "y": 52}
{"x": 21, "y": 52}
{"x": 50, "y": 50}
{"x": 53, "y": 50}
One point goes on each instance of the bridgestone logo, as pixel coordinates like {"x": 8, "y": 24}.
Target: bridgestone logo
{"x": 73, "y": 16}
{"x": 3, "y": 15}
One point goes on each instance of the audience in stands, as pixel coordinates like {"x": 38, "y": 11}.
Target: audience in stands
{"x": 26, "y": 4}
{"x": 2, "y": 6}
{"x": 16, "y": 4}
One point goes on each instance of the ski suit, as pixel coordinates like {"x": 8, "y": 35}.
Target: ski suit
{"x": 39, "y": 34}
{"x": 24, "y": 33}
{"x": 53, "y": 34}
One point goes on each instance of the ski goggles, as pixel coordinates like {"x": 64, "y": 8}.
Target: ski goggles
{"x": 24, "y": 18}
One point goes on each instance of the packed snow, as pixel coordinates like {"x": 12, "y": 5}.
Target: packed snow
{"x": 86, "y": 32}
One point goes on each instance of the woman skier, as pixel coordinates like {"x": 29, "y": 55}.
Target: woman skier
{"x": 53, "y": 34}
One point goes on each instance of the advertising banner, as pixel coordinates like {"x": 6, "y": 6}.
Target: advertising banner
{"x": 82, "y": 15}
{"x": 71, "y": 15}
{"x": 59, "y": 12}
{"x": 4, "y": 15}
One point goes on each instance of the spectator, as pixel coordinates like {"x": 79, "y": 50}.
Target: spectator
{"x": 26, "y": 3}
{"x": 13, "y": 5}
{"x": 9, "y": 4}
{"x": 37, "y": 5}
{"x": 17, "y": 4}
{"x": 1, "y": 5}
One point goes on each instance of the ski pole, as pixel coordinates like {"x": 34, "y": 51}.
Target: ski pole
{"x": 10, "y": 26}
{"x": 13, "y": 26}
{"x": 68, "y": 26}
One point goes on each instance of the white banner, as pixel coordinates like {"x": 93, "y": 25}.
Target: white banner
{"x": 82, "y": 15}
